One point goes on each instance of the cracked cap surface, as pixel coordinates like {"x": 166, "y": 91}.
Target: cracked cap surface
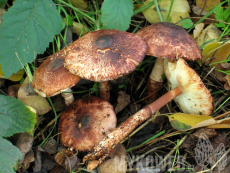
{"x": 51, "y": 77}
{"x": 105, "y": 55}
{"x": 86, "y": 122}
{"x": 170, "y": 41}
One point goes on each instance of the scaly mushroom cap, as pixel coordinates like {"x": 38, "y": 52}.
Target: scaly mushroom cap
{"x": 196, "y": 98}
{"x": 51, "y": 77}
{"x": 85, "y": 123}
{"x": 169, "y": 41}
{"x": 105, "y": 55}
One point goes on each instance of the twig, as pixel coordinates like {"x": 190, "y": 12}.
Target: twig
{"x": 47, "y": 126}
{"x": 172, "y": 151}
{"x": 215, "y": 163}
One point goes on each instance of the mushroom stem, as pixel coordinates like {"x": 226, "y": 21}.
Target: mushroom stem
{"x": 68, "y": 96}
{"x": 104, "y": 90}
{"x": 155, "y": 80}
{"x": 102, "y": 150}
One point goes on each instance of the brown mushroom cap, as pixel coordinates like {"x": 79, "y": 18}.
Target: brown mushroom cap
{"x": 51, "y": 77}
{"x": 196, "y": 98}
{"x": 86, "y": 122}
{"x": 169, "y": 41}
{"x": 105, "y": 55}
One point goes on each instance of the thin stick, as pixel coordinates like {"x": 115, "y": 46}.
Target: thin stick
{"x": 172, "y": 151}
{"x": 47, "y": 126}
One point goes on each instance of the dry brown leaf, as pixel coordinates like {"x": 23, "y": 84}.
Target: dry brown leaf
{"x": 24, "y": 143}
{"x": 211, "y": 32}
{"x": 222, "y": 76}
{"x": 51, "y": 146}
{"x": 198, "y": 11}
{"x": 123, "y": 100}
{"x": 116, "y": 162}
{"x": 43, "y": 160}
{"x": 207, "y": 4}
{"x": 27, "y": 95}
{"x": 198, "y": 28}
{"x": 67, "y": 159}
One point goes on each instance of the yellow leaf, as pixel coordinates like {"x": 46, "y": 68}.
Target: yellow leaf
{"x": 220, "y": 51}
{"x": 207, "y": 4}
{"x": 79, "y": 28}
{"x": 183, "y": 122}
{"x": 82, "y": 4}
{"x": 180, "y": 10}
{"x": 14, "y": 77}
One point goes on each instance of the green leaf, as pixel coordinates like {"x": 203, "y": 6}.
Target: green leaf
{"x": 116, "y": 14}
{"x": 186, "y": 23}
{"x": 15, "y": 117}
{"x": 2, "y": 2}
{"x": 9, "y": 154}
{"x": 26, "y": 31}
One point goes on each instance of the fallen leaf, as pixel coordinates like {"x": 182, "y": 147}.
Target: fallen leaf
{"x": 24, "y": 143}
{"x": 198, "y": 11}
{"x": 223, "y": 77}
{"x": 27, "y": 95}
{"x": 67, "y": 159}
{"x": 43, "y": 160}
{"x": 211, "y": 32}
{"x": 116, "y": 162}
{"x": 79, "y": 29}
{"x": 51, "y": 146}
{"x": 198, "y": 28}
{"x": 183, "y": 122}
{"x": 220, "y": 52}
{"x": 14, "y": 77}
{"x": 123, "y": 100}
{"x": 82, "y": 4}
{"x": 206, "y": 5}
{"x": 179, "y": 11}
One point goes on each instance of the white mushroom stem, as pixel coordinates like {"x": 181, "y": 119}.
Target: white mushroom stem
{"x": 103, "y": 89}
{"x": 68, "y": 96}
{"x": 155, "y": 80}
{"x": 102, "y": 150}
{"x": 157, "y": 71}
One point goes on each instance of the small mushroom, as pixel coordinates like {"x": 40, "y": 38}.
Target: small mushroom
{"x": 167, "y": 40}
{"x": 185, "y": 82}
{"x": 86, "y": 122}
{"x": 51, "y": 78}
{"x": 105, "y": 55}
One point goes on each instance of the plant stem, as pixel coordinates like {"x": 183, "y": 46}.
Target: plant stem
{"x": 158, "y": 11}
{"x": 79, "y": 11}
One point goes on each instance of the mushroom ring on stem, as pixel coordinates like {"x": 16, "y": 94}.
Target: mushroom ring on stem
{"x": 187, "y": 77}
{"x": 105, "y": 55}
{"x": 167, "y": 40}
{"x": 52, "y": 78}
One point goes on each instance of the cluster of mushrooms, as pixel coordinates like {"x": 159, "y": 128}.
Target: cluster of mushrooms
{"x": 105, "y": 55}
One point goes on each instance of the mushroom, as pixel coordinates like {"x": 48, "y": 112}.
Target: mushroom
{"x": 51, "y": 78}
{"x": 105, "y": 55}
{"x": 166, "y": 40}
{"x": 86, "y": 122}
{"x": 184, "y": 81}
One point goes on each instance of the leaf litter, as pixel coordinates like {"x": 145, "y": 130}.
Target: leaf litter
{"x": 160, "y": 146}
